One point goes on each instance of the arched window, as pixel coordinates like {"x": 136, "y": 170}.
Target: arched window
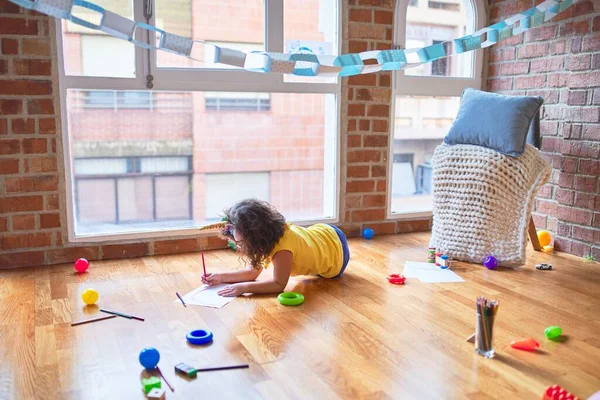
{"x": 206, "y": 135}
{"x": 426, "y": 98}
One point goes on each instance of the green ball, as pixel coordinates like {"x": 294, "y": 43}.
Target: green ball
{"x": 552, "y": 332}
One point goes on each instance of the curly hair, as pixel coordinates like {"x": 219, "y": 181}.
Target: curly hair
{"x": 261, "y": 226}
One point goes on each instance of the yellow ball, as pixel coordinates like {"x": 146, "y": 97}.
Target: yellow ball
{"x": 89, "y": 296}
{"x": 544, "y": 237}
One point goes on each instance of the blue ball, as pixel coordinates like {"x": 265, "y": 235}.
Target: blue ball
{"x": 490, "y": 262}
{"x": 368, "y": 233}
{"x": 149, "y": 357}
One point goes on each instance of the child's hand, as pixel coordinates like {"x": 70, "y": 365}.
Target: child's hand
{"x": 232, "y": 290}
{"x": 212, "y": 279}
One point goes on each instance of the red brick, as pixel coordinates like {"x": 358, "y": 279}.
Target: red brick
{"x": 3, "y": 67}
{"x": 9, "y": 8}
{"x": 565, "y": 180}
{"x": 40, "y": 106}
{"x": 34, "y": 146}
{"x": 550, "y": 144}
{"x": 581, "y": 149}
{"x": 597, "y": 220}
{"x": 70, "y": 254}
{"x": 23, "y": 222}
{"x": 354, "y": 141}
{"x": 414, "y": 226}
{"x": 364, "y": 125}
{"x": 591, "y": 132}
{"x": 21, "y": 203}
{"x": 47, "y": 126}
{"x": 175, "y": 246}
{"x": 25, "y": 240}
{"x": 380, "y": 186}
{"x": 10, "y": 46}
{"x": 376, "y": 200}
{"x": 583, "y": 8}
{"x": 212, "y": 243}
{"x": 511, "y": 41}
{"x": 36, "y": 47}
{"x": 568, "y": 164}
{"x": 514, "y": 68}
{"x": 580, "y": 249}
{"x": 502, "y": 54}
{"x": 544, "y": 32}
{"x": 576, "y": 45}
{"x": 359, "y": 186}
{"x": 22, "y": 259}
{"x": 498, "y": 85}
{"x": 375, "y": 141}
{"x": 494, "y": 70}
{"x": 546, "y": 207}
{"x": 545, "y": 192}
{"x": 363, "y": 80}
{"x": 549, "y": 128}
{"x": 577, "y": 98}
{"x": 9, "y": 146}
{"x": 539, "y": 220}
{"x": 494, "y": 13}
{"x": 125, "y": 250}
{"x": 587, "y": 201}
{"x": 565, "y": 196}
{"x": 546, "y": 65}
{"x": 23, "y": 126}
{"x": 353, "y": 201}
{"x": 562, "y": 244}
{"x": 368, "y": 215}
{"x": 3, "y": 224}
{"x": 589, "y": 167}
{"x": 25, "y": 87}
{"x": 384, "y": 17}
{"x": 360, "y": 15}
{"x": 378, "y": 171}
{"x": 356, "y": 110}
{"x": 378, "y": 110}
{"x": 385, "y": 79}
{"x": 596, "y": 24}
{"x": 578, "y": 63}
{"x": 584, "y": 79}
{"x": 530, "y": 82}
{"x": 18, "y": 26}
{"x": 577, "y": 216}
{"x": 52, "y": 202}
{"x": 558, "y": 47}
{"x": 366, "y": 31}
{"x": 352, "y": 125}
{"x": 591, "y": 43}
{"x": 363, "y": 156}
{"x": 357, "y": 46}
{"x": 357, "y": 171}
{"x": 3, "y": 127}
{"x": 32, "y": 67}
{"x": 585, "y": 183}
{"x": 586, "y": 234}
{"x": 49, "y": 220}
{"x": 363, "y": 94}
{"x": 575, "y": 28}
{"x": 383, "y": 228}
{"x": 580, "y": 114}
{"x": 563, "y": 229}
{"x": 31, "y": 184}
{"x": 389, "y": 4}
{"x": 41, "y": 164}
{"x": 8, "y": 107}
{"x": 9, "y": 166}
{"x": 379, "y": 125}
{"x": 534, "y": 50}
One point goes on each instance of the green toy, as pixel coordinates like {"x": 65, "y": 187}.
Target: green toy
{"x": 553, "y": 332}
{"x": 150, "y": 383}
{"x": 231, "y": 245}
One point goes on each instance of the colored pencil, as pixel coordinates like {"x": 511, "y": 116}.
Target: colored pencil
{"x": 182, "y": 302}
{"x": 93, "y": 320}
{"x": 223, "y": 368}
{"x": 165, "y": 379}
{"x": 203, "y": 264}
{"x": 120, "y": 314}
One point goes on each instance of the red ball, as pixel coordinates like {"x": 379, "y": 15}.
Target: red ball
{"x": 81, "y": 264}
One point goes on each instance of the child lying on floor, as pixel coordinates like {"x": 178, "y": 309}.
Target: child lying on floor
{"x": 262, "y": 236}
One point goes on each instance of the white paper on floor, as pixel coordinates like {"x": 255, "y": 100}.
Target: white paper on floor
{"x": 429, "y": 273}
{"x": 206, "y": 296}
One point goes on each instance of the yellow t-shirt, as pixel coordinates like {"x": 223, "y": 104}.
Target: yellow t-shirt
{"x": 316, "y": 250}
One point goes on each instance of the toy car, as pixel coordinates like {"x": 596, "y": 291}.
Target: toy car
{"x": 543, "y": 266}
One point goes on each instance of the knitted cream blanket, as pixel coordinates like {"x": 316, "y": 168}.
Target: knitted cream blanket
{"x": 482, "y": 201}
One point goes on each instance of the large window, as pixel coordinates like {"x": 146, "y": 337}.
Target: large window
{"x": 158, "y": 143}
{"x": 427, "y": 97}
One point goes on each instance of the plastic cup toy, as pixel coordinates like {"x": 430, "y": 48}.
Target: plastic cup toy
{"x": 81, "y": 265}
{"x": 290, "y": 298}
{"x": 90, "y": 296}
{"x": 368, "y": 233}
{"x": 149, "y": 357}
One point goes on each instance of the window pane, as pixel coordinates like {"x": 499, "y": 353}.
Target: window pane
{"x": 227, "y": 23}
{"x": 310, "y": 27}
{"x": 431, "y": 22}
{"x": 419, "y": 127}
{"x": 178, "y": 164}
{"x": 89, "y": 52}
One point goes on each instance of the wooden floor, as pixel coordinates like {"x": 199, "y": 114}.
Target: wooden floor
{"x": 357, "y": 337}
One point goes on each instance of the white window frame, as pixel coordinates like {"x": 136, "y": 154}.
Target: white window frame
{"x": 204, "y": 79}
{"x": 407, "y": 85}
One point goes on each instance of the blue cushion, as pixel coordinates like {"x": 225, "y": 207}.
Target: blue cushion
{"x": 493, "y": 120}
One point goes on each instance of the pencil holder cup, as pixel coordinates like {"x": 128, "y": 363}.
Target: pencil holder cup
{"x": 484, "y": 335}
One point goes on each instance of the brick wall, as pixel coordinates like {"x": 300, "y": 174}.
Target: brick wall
{"x": 32, "y": 188}
{"x": 560, "y": 61}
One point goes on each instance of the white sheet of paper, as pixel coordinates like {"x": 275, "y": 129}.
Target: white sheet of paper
{"x": 429, "y": 273}
{"x": 206, "y": 296}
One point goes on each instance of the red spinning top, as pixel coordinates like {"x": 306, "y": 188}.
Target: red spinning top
{"x": 396, "y": 279}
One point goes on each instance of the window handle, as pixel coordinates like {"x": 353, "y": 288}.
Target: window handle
{"x": 148, "y": 9}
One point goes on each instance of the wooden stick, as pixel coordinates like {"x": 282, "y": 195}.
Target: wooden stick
{"x": 182, "y": 302}
{"x": 203, "y": 264}
{"x": 535, "y": 242}
{"x": 120, "y": 314}
{"x": 166, "y": 381}
{"x": 93, "y": 320}
{"x": 223, "y": 368}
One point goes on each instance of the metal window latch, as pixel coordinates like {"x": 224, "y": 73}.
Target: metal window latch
{"x": 147, "y": 9}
